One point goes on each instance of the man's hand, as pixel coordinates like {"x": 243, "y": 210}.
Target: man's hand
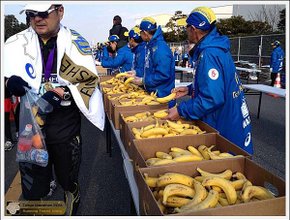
{"x": 16, "y": 84}
{"x": 132, "y": 72}
{"x": 180, "y": 91}
{"x": 53, "y": 97}
{"x": 138, "y": 80}
{"x": 172, "y": 114}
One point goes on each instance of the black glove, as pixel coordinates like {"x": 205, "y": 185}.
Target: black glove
{"x": 16, "y": 84}
{"x": 52, "y": 98}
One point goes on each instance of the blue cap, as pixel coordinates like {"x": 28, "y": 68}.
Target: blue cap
{"x": 148, "y": 24}
{"x": 114, "y": 38}
{"x": 201, "y": 18}
{"x": 276, "y": 43}
{"x": 134, "y": 33}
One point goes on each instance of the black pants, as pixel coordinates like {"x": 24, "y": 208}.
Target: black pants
{"x": 273, "y": 78}
{"x": 65, "y": 158}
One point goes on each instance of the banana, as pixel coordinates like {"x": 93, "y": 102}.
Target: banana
{"x": 194, "y": 151}
{"x": 188, "y": 132}
{"x": 223, "y": 201}
{"x": 161, "y": 206}
{"x": 163, "y": 162}
{"x": 176, "y": 201}
{"x": 209, "y": 202}
{"x": 160, "y": 114}
{"x": 152, "y": 160}
{"x": 216, "y": 152}
{"x": 148, "y": 127}
{"x": 142, "y": 114}
{"x": 150, "y": 181}
{"x": 138, "y": 136}
{"x": 199, "y": 178}
{"x": 177, "y": 189}
{"x": 122, "y": 74}
{"x": 238, "y": 184}
{"x": 174, "y": 125}
{"x": 187, "y": 158}
{"x": 169, "y": 178}
{"x": 200, "y": 195}
{"x": 135, "y": 131}
{"x": 180, "y": 150}
{"x": 166, "y": 98}
{"x": 175, "y": 154}
{"x": 239, "y": 176}
{"x": 130, "y": 79}
{"x": 169, "y": 135}
{"x": 257, "y": 192}
{"x": 227, "y": 174}
{"x": 154, "y": 131}
{"x": 226, "y": 155}
{"x": 131, "y": 119}
{"x": 224, "y": 184}
{"x": 163, "y": 155}
{"x": 202, "y": 150}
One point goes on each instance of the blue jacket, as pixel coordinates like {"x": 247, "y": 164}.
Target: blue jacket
{"x": 159, "y": 74}
{"x": 123, "y": 59}
{"x": 277, "y": 59}
{"x": 218, "y": 94}
{"x": 139, "y": 59}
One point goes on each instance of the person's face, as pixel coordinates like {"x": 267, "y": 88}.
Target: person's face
{"x": 113, "y": 45}
{"x": 132, "y": 43}
{"x": 145, "y": 36}
{"x": 192, "y": 34}
{"x": 49, "y": 26}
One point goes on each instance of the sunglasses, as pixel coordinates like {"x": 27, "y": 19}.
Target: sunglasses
{"x": 42, "y": 14}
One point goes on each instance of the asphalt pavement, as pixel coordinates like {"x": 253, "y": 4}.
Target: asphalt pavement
{"x": 104, "y": 187}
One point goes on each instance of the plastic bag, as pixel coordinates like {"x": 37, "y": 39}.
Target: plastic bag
{"x": 31, "y": 145}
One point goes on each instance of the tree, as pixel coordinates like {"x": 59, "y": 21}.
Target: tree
{"x": 281, "y": 24}
{"x": 175, "y": 33}
{"x": 12, "y": 26}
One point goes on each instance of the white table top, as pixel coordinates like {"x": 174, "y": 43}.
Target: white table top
{"x": 267, "y": 89}
{"x": 248, "y": 70}
{"x": 186, "y": 69}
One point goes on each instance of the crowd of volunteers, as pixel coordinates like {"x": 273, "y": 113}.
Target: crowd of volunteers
{"x": 58, "y": 69}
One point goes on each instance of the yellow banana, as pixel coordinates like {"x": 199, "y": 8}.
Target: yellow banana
{"x": 122, "y": 74}
{"x": 131, "y": 119}
{"x": 180, "y": 150}
{"x": 175, "y": 154}
{"x": 188, "y": 132}
{"x": 154, "y": 131}
{"x": 227, "y": 174}
{"x": 166, "y": 98}
{"x": 200, "y": 195}
{"x": 148, "y": 127}
{"x": 199, "y": 178}
{"x": 135, "y": 131}
{"x": 161, "y": 206}
{"x": 160, "y": 114}
{"x": 216, "y": 152}
{"x": 177, "y": 189}
{"x": 170, "y": 135}
{"x": 163, "y": 162}
{"x": 130, "y": 79}
{"x": 239, "y": 176}
{"x": 150, "y": 181}
{"x": 223, "y": 201}
{"x": 194, "y": 151}
{"x": 187, "y": 158}
{"x": 225, "y": 155}
{"x": 169, "y": 178}
{"x": 257, "y": 192}
{"x": 152, "y": 160}
{"x": 224, "y": 184}
{"x": 174, "y": 125}
{"x": 163, "y": 155}
{"x": 203, "y": 151}
{"x": 238, "y": 184}
{"x": 176, "y": 201}
{"x": 153, "y": 103}
{"x": 142, "y": 114}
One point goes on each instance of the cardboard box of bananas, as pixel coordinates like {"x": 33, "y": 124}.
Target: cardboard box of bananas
{"x": 232, "y": 187}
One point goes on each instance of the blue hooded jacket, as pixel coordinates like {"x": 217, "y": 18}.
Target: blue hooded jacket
{"x": 277, "y": 59}
{"x": 159, "y": 72}
{"x": 218, "y": 94}
{"x": 123, "y": 59}
{"x": 139, "y": 59}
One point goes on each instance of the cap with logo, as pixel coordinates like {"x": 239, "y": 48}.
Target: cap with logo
{"x": 201, "y": 18}
{"x": 133, "y": 33}
{"x": 148, "y": 24}
{"x": 41, "y": 7}
{"x": 114, "y": 38}
{"x": 276, "y": 43}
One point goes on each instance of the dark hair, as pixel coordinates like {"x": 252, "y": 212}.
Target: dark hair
{"x": 139, "y": 40}
{"x": 152, "y": 32}
{"x": 118, "y": 19}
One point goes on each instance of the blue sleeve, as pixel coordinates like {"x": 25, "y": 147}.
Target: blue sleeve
{"x": 162, "y": 63}
{"x": 211, "y": 89}
{"x": 112, "y": 62}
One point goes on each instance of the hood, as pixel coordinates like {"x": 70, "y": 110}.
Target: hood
{"x": 156, "y": 37}
{"x": 212, "y": 39}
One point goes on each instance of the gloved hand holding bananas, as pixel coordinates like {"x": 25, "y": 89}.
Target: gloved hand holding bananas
{"x": 177, "y": 154}
{"x": 180, "y": 193}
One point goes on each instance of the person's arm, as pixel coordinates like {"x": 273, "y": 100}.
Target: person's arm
{"x": 113, "y": 62}
{"x": 211, "y": 90}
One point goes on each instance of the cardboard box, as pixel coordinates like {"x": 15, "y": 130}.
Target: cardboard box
{"x": 101, "y": 70}
{"x": 144, "y": 149}
{"x": 129, "y": 136}
{"x": 116, "y": 110}
{"x": 255, "y": 173}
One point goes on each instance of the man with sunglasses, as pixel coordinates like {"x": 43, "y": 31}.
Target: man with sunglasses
{"x": 217, "y": 94}
{"x": 44, "y": 59}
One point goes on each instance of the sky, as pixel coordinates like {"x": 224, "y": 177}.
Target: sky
{"x": 93, "y": 19}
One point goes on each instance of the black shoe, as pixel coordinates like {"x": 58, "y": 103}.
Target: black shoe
{"x": 72, "y": 201}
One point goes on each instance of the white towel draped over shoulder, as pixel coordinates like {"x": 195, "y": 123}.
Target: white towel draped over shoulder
{"x": 75, "y": 68}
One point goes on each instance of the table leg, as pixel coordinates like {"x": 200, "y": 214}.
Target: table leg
{"x": 259, "y": 107}
{"x": 108, "y": 137}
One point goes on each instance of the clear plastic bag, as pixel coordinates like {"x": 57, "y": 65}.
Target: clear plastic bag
{"x": 31, "y": 145}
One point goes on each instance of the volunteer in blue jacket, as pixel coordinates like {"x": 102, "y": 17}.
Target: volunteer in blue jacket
{"x": 137, "y": 46}
{"x": 159, "y": 70}
{"x": 277, "y": 61}
{"x": 121, "y": 60}
{"x": 217, "y": 93}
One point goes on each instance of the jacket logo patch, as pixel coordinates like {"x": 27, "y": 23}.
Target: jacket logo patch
{"x": 213, "y": 74}
{"x": 30, "y": 71}
{"x": 81, "y": 44}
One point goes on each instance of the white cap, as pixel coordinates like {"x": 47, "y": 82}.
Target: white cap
{"x": 41, "y": 7}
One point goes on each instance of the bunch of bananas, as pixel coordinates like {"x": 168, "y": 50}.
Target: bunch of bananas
{"x": 166, "y": 129}
{"x": 139, "y": 97}
{"x": 177, "y": 154}
{"x": 180, "y": 193}
{"x": 145, "y": 116}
